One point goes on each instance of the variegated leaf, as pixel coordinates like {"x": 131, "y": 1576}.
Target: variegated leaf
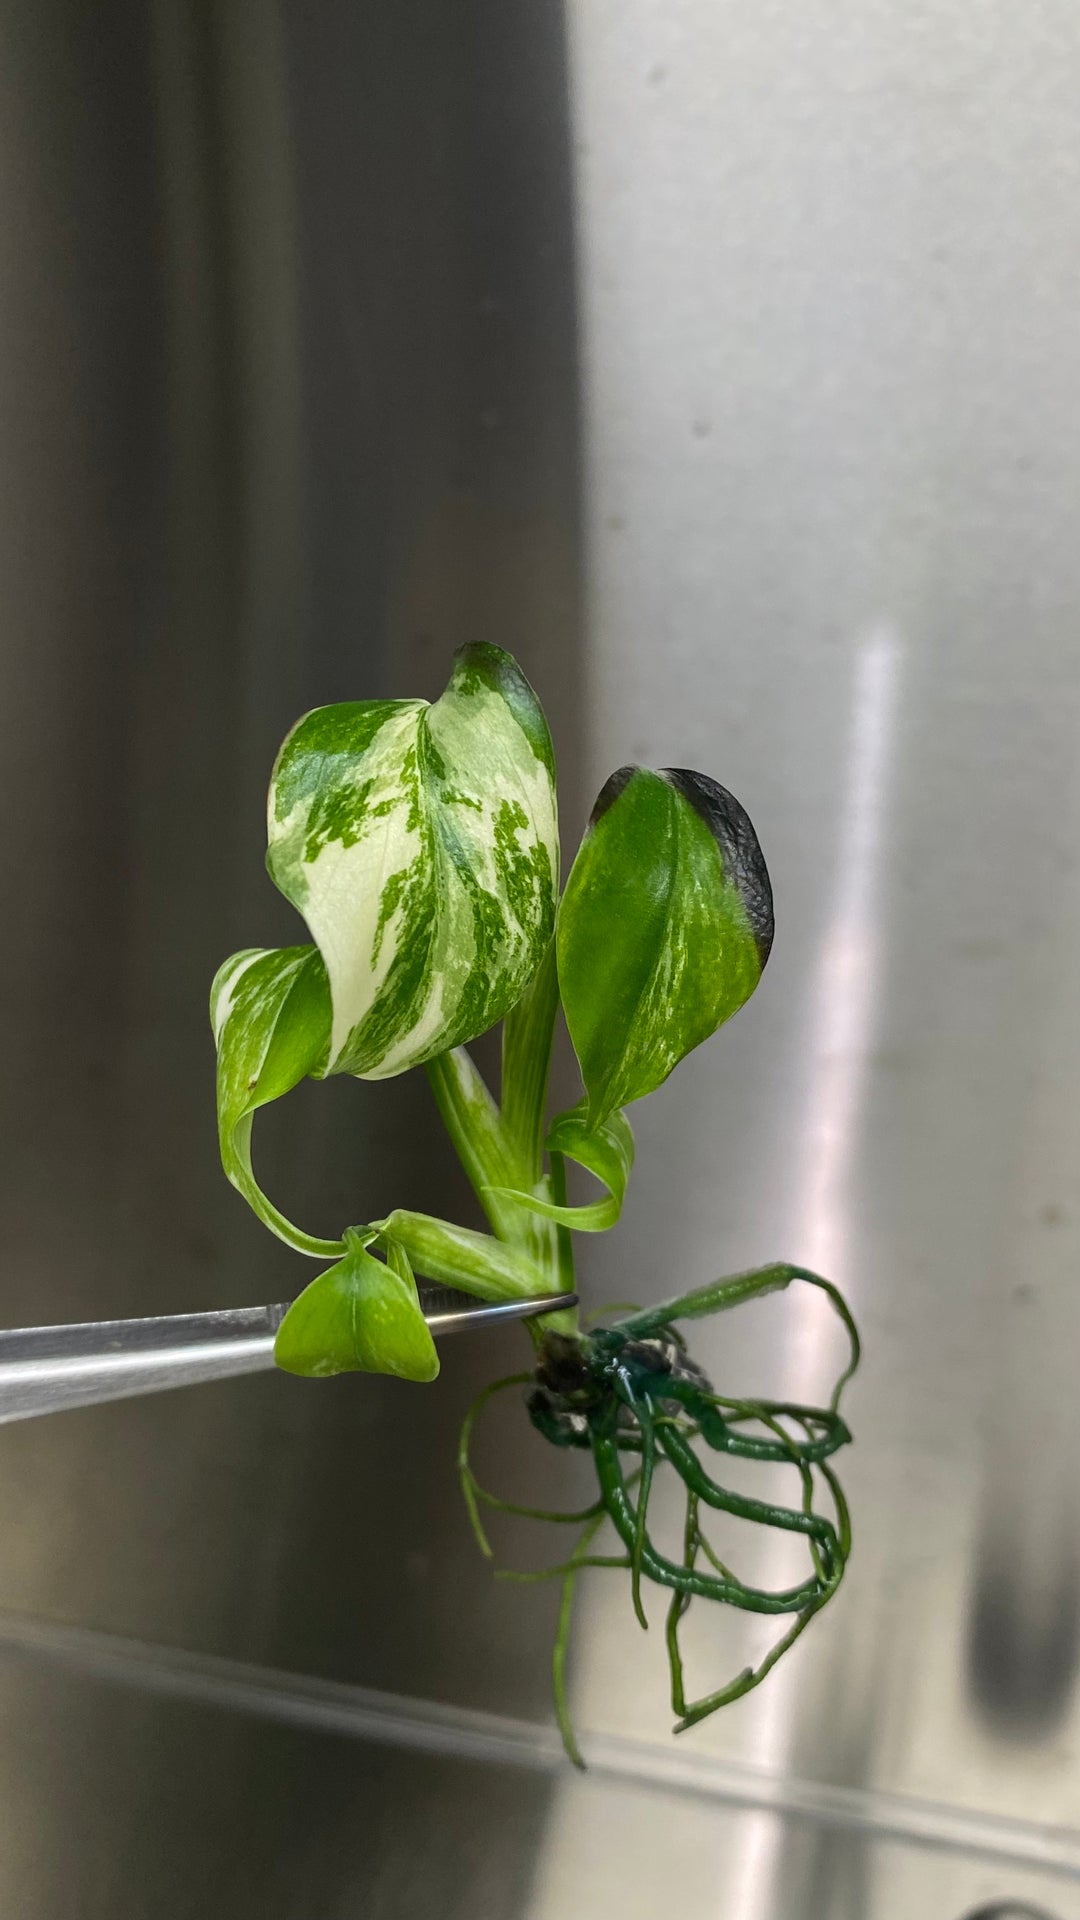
{"x": 420, "y": 844}
{"x": 664, "y": 929}
{"x": 270, "y": 1011}
{"x": 361, "y": 1316}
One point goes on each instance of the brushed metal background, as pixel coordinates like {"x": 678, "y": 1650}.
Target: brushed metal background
{"x": 721, "y": 359}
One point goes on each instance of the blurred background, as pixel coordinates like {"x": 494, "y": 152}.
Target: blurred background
{"x": 720, "y": 358}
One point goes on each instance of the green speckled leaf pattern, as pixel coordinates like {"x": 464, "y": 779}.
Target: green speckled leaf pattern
{"x": 361, "y": 1316}
{"x": 664, "y": 929}
{"x": 420, "y": 843}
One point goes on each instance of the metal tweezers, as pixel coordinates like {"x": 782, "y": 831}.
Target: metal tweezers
{"x": 49, "y": 1369}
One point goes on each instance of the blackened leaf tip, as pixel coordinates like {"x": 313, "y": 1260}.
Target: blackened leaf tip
{"x": 615, "y": 785}
{"x": 740, "y": 850}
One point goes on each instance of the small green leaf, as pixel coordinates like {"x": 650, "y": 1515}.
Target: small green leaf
{"x": 663, "y": 931}
{"x": 270, "y": 1011}
{"x": 361, "y": 1316}
{"x": 420, "y": 843}
{"x": 607, "y": 1152}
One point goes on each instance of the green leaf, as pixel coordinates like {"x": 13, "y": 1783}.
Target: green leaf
{"x": 420, "y": 843}
{"x": 664, "y": 929}
{"x": 606, "y": 1151}
{"x": 361, "y": 1316}
{"x": 270, "y": 1011}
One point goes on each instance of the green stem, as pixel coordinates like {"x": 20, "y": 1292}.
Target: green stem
{"x": 474, "y": 1124}
{"x": 237, "y": 1165}
{"x": 528, "y": 1033}
{"x": 563, "y": 1237}
{"x": 481, "y": 1142}
{"x": 295, "y": 1237}
{"x": 458, "y": 1257}
{"x": 505, "y": 1149}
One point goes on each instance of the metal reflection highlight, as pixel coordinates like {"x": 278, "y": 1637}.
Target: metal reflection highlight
{"x": 842, "y": 1017}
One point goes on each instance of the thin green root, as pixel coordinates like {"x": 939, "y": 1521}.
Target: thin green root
{"x": 632, "y": 1389}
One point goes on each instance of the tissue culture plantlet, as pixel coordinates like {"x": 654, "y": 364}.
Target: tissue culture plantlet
{"x": 419, "y": 842}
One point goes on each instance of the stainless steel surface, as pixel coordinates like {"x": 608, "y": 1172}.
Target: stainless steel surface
{"x": 363, "y": 1804}
{"x": 56, "y": 1369}
{"x": 289, "y": 411}
{"x": 833, "y": 426}
{"x": 288, "y": 384}
{"x": 1009, "y": 1910}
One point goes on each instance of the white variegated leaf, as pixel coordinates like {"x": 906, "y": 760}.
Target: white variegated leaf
{"x": 420, "y": 844}
{"x": 270, "y": 1011}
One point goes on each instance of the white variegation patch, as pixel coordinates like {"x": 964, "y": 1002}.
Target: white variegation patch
{"x": 225, "y": 983}
{"x": 340, "y": 890}
{"x": 270, "y": 1011}
{"x": 420, "y": 844}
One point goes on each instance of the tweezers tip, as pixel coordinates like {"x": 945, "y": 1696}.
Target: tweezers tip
{"x": 447, "y": 1311}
